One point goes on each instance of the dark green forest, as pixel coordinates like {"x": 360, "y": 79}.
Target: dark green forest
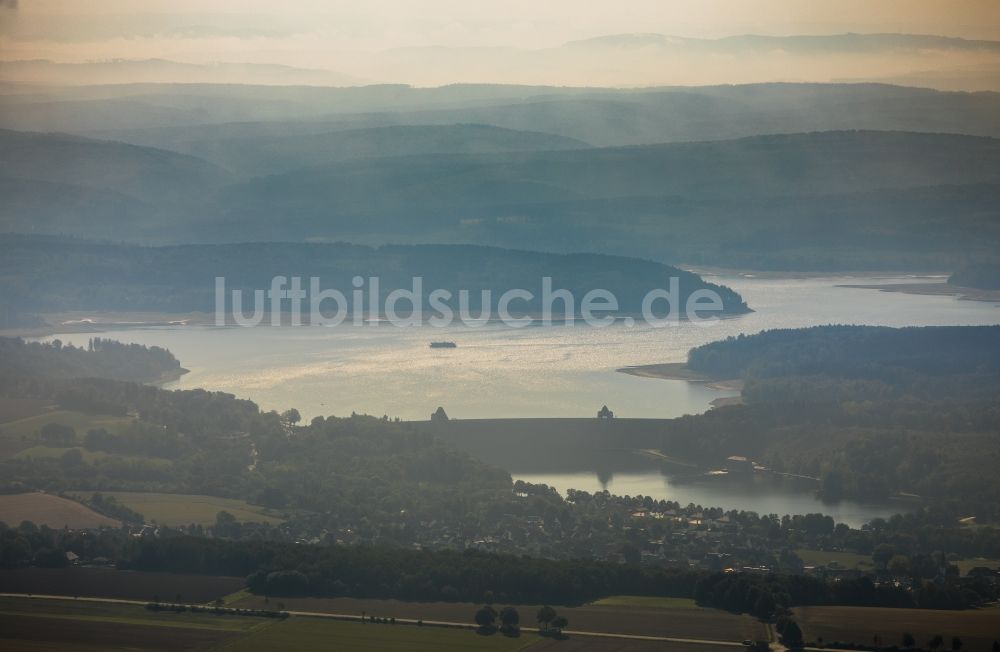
{"x": 872, "y": 412}
{"x": 984, "y": 276}
{"x": 824, "y": 200}
{"x": 102, "y": 358}
{"x": 53, "y": 274}
{"x": 279, "y": 569}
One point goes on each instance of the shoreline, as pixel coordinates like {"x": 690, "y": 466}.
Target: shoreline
{"x": 934, "y": 289}
{"x": 168, "y": 377}
{"x": 715, "y": 270}
{"x": 680, "y": 371}
{"x": 99, "y": 321}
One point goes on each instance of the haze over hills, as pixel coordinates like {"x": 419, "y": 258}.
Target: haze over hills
{"x": 171, "y": 116}
{"x": 158, "y": 71}
{"x": 140, "y": 172}
{"x": 627, "y": 59}
{"x": 786, "y": 176}
{"x": 866, "y": 199}
{"x": 797, "y": 44}
{"x": 681, "y": 202}
{"x": 782, "y": 165}
{"x": 263, "y": 155}
{"x": 488, "y": 233}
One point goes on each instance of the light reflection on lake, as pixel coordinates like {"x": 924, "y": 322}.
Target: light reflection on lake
{"x": 498, "y": 371}
{"x": 759, "y": 494}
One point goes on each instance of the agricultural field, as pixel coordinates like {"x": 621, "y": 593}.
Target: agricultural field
{"x": 73, "y": 626}
{"x": 646, "y": 602}
{"x": 684, "y": 620}
{"x": 43, "y": 625}
{"x": 601, "y": 644}
{"x": 185, "y": 509}
{"x": 965, "y": 565}
{"x": 32, "y": 624}
{"x": 20, "y": 434}
{"x": 845, "y": 559}
{"x": 14, "y": 409}
{"x": 50, "y": 510}
{"x": 978, "y": 628}
{"x": 307, "y": 634}
{"x": 123, "y": 585}
{"x": 89, "y": 456}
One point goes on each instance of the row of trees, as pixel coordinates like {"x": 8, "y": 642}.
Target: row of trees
{"x": 548, "y": 620}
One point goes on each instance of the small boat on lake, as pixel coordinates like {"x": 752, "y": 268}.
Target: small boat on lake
{"x": 443, "y": 345}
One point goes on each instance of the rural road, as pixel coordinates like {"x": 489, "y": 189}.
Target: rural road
{"x": 408, "y": 621}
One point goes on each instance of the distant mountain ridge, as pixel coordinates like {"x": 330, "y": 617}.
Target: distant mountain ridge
{"x": 142, "y": 172}
{"x": 823, "y": 200}
{"x": 176, "y": 116}
{"x": 617, "y": 60}
{"x": 847, "y": 42}
{"x": 269, "y": 154}
{"x": 646, "y": 59}
{"x": 116, "y": 71}
{"x": 781, "y": 176}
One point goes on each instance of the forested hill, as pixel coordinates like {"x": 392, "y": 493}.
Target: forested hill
{"x": 80, "y": 275}
{"x": 869, "y": 411}
{"x": 853, "y": 352}
{"x": 984, "y": 276}
{"x": 817, "y": 200}
{"x": 103, "y": 358}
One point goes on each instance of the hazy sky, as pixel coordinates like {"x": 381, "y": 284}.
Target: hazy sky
{"x": 360, "y": 37}
{"x": 297, "y": 31}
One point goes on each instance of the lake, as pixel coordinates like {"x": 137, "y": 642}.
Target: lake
{"x": 559, "y": 371}
{"x": 498, "y": 371}
{"x": 755, "y": 493}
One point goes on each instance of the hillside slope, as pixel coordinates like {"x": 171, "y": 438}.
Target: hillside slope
{"x": 141, "y": 172}
{"x": 262, "y": 154}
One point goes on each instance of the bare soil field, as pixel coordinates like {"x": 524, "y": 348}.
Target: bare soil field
{"x": 845, "y": 559}
{"x": 12, "y": 409}
{"x": 51, "y": 510}
{"x": 596, "y": 644}
{"x": 43, "y": 625}
{"x": 22, "y": 433}
{"x": 40, "y": 633}
{"x": 184, "y": 509}
{"x": 303, "y": 634}
{"x": 965, "y": 565}
{"x": 111, "y": 583}
{"x": 680, "y": 622}
{"x": 36, "y": 624}
{"x": 978, "y": 628}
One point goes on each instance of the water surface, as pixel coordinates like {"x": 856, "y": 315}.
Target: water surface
{"x": 756, "y": 493}
{"x": 498, "y": 371}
